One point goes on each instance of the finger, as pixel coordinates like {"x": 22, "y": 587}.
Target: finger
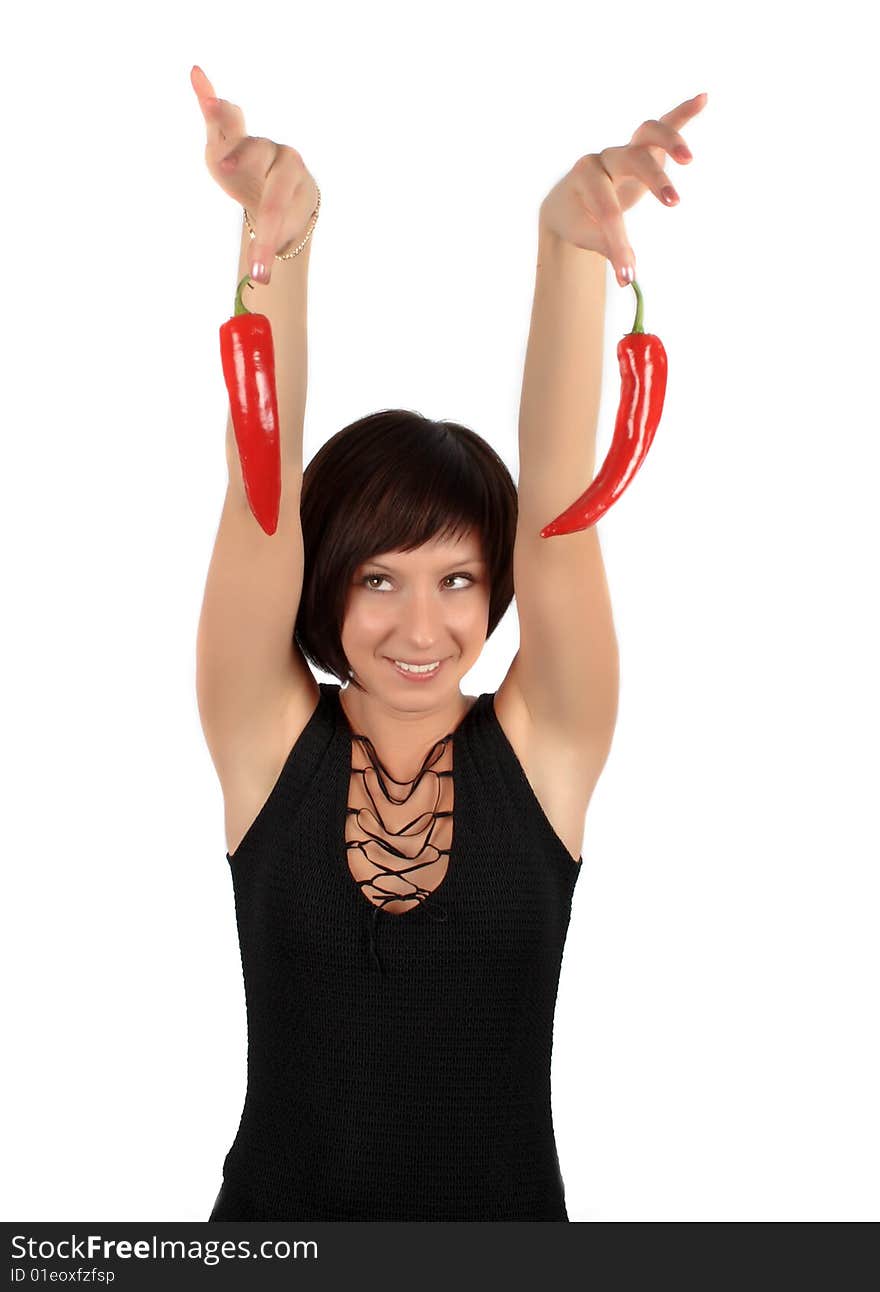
{"x": 284, "y": 181}
{"x": 224, "y": 120}
{"x": 200, "y": 83}
{"x": 681, "y": 115}
{"x": 641, "y": 163}
{"x": 663, "y": 136}
{"x": 671, "y": 141}
{"x": 639, "y": 160}
{"x": 204, "y": 92}
{"x": 597, "y": 192}
{"x": 697, "y": 102}
{"x": 226, "y": 128}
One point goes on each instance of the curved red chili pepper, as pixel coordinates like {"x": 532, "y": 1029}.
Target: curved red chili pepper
{"x": 248, "y": 355}
{"x": 642, "y": 360}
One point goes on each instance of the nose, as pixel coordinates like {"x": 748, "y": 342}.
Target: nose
{"x": 423, "y": 621}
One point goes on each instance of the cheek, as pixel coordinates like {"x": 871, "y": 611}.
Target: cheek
{"x": 363, "y": 621}
{"x": 474, "y": 613}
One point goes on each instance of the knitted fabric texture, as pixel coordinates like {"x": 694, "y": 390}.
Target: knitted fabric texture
{"x": 398, "y": 1065}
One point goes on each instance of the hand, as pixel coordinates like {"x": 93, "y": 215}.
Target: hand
{"x": 586, "y": 206}
{"x": 270, "y": 179}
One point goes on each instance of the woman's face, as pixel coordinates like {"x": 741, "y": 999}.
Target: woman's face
{"x": 417, "y": 607}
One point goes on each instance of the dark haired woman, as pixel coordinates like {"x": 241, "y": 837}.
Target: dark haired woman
{"x": 403, "y": 856}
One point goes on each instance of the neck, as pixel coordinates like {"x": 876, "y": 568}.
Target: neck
{"x": 401, "y": 739}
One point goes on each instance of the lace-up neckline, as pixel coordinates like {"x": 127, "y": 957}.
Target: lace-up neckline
{"x": 386, "y": 854}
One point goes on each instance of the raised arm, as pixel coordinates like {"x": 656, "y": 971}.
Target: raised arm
{"x": 567, "y": 665}
{"x": 249, "y": 672}
{"x": 566, "y": 668}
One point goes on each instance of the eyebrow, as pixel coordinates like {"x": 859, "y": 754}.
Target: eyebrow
{"x": 468, "y": 560}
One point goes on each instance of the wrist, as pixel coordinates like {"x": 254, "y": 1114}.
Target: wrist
{"x": 552, "y": 248}
{"x": 292, "y": 234}
{"x": 550, "y": 242}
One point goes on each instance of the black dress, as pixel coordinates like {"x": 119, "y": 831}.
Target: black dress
{"x": 398, "y": 1065}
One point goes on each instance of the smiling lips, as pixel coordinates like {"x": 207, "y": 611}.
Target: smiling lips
{"x": 416, "y": 672}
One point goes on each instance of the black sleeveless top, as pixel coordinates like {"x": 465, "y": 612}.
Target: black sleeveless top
{"x": 398, "y": 1065}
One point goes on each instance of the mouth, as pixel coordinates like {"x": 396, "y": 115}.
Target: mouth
{"x": 415, "y": 675}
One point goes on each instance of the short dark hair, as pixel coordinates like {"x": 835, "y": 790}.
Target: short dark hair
{"x": 392, "y": 481}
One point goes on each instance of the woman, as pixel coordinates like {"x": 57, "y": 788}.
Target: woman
{"x": 403, "y": 856}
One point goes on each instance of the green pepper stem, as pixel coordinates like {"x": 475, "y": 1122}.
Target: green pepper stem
{"x": 240, "y": 307}
{"x": 638, "y": 326}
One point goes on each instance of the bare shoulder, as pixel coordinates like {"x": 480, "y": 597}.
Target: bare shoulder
{"x": 562, "y": 776}
{"x": 259, "y": 752}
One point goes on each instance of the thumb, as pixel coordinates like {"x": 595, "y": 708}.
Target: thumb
{"x": 262, "y": 252}
{"x": 269, "y": 222}
{"x": 598, "y": 191}
{"x": 259, "y": 270}
{"x": 262, "y": 249}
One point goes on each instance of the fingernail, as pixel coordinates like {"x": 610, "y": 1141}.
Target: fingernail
{"x": 626, "y": 275}
{"x": 259, "y": 272}
{"x": 669, "y": 195}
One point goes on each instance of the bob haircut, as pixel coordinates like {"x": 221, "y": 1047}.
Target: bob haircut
{"x": 392, "y": 481}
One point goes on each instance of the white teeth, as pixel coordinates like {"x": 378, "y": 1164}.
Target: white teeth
{"x": 417, "y": 668}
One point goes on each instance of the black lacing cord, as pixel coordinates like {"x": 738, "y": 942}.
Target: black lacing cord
{"x": 435, "y": 910}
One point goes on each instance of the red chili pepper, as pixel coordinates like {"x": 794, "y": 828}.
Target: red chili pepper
{"x": 642, "y": 360}
{"x": 248, "y": 354}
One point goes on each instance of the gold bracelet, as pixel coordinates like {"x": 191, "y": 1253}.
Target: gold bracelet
{"x": 288, "y": 255}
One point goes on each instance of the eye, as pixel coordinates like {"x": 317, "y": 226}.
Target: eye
{"x": 383, "y": 578}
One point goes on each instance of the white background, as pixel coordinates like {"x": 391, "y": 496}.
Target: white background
{"x": 716, "y": 1051}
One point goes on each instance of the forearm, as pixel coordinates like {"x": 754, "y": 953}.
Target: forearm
{"x": 284, "y": 301}
{"x": 562, "y": 379}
